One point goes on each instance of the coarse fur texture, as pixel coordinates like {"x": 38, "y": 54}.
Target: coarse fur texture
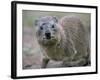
{"x": 63, "y": 40}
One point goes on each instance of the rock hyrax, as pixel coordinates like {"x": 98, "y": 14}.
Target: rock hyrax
{"x": 63, "y": 40}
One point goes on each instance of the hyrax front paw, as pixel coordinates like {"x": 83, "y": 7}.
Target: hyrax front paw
{"x": 44, "y": 63}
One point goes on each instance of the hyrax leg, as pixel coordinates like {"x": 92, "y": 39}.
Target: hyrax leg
{"x": 45, "y": 62}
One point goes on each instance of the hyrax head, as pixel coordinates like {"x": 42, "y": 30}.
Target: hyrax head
{"x": 47, "y": 30}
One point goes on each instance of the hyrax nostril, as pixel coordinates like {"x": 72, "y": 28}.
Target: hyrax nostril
{"x": 48, "y": 35}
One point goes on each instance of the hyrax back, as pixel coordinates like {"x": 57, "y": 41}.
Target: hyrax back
{"x": 76, "y": 40}
{"x": 63, "y": 40}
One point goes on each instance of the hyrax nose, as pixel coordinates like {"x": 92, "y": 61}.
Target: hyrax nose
{"x": 48, "y": 35}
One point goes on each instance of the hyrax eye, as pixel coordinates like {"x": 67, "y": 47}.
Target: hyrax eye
{"x": 53, "y": 26}
{"x": 41, "y": 28}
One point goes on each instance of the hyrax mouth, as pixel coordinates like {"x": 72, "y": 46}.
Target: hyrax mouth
{"x": 49, "y": 41}
{"x": 49, "y": 38}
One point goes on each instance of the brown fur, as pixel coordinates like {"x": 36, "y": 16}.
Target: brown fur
{"x": 72, "y": 46}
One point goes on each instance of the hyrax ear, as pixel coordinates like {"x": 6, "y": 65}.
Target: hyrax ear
{"x": 55, "y": 19}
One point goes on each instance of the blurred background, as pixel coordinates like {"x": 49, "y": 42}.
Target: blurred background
{"x": 31, "y": 53}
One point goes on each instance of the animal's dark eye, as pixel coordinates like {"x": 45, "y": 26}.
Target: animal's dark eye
{"x": 53, "y": 26}
{"x": 41, "y": 28}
